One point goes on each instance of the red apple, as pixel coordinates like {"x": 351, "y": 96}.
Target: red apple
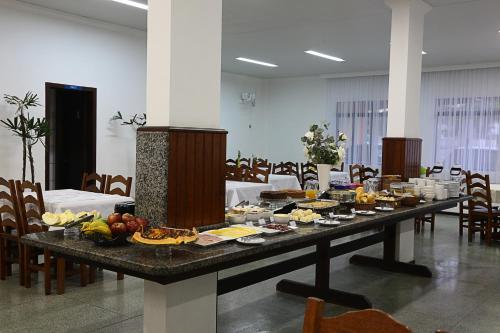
{"x": 114, "y": 218}
{"x": 127, "y": 217}
{"x": 118, "y": 228}
{"x": 132, "y": 226}
{"x": 142, "y": 221}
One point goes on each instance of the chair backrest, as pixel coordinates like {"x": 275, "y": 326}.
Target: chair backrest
{"x": 112, "y": 188}
{"x": 258, "y": 174}
{"x": 356, "y": 173}
{"x": 437, "y": 169}
{"x": 455, "y": 171}
{"x": 233, "y": 172}
{"x": 308, "y": 171}
{"x": 478, "y": 186}
{"x": 259, "y": 161}
{"x": 368, "y": 173}
{"x": 365, "y": 321}
{"x": 245, "y": 161}
{"x": 93, "y": 182}
{"x": 339, "y": 170}
{"x": 31, "y": 206}
{"x": 286, "y": 168}
{"x": 9, "y": 208}
{"x": 230, "y": 161}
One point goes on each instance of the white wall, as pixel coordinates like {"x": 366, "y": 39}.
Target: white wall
{"x": 283, "y": 112}
{"x": 41, "y": 46}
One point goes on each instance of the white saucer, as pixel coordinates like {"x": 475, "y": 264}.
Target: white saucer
{"x": 384, "y": 209}
{"x": 250, "y": 240}
{"x": 365, "y": 212}
{"x": 329, "y": 223}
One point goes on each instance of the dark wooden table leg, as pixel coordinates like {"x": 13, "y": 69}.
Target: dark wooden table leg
{"x": 389, "y": 262}
{"x": 321, "y": 288}
{"x": 61, "y": 275}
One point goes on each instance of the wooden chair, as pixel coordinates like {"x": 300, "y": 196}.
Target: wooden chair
{"x": 437, "y": 169}
{"x": 245, "y": 161}
{"x": 339, "y": 170}
{"x": 308, "y": 171}
{"x": 126, "y": 182}
{"x": 258, "y": 174}
{"x": 93, "y": 183}
{"x": 11, "y": 231}
{"x": 356, "y": 173}
{"x": 286, "y": 168}
{"x": 482, "y": 216}
{"x": 259, "y": 161}
{"x": 363, "y": 321}
{"x": 367, "y": 173}
{"x": 233, "y": 172}
{"x": 31, "y": 209}
{"x": 230, "y": 161}
{"x": 463, "y": 209}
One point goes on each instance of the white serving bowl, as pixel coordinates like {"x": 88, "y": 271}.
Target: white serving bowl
{"x": 254, "y": 217}
{"x": 281, "y": 218}
{"x": 237, "y": 218}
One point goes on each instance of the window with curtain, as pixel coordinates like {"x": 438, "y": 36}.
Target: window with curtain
{"x": 358, "y": 107}
{"x": 365, "y": 123}
{"x": 468, "y": 133}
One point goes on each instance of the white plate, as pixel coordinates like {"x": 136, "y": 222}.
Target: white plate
{"x": 365, "y": 212}
{"x": 384, "y": 209}
{"x": 344, "y": 217}
{"x": 329, "y": 223}
{"x": 422, "y": 201}
{"x": 250, "y": 240}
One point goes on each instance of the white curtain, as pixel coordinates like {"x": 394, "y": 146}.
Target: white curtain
{"x": 461, "y": 119}
{"x": 358, "y": 107}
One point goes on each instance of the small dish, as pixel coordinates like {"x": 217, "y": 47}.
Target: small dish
{"x": 237, "y": 218}
{"x": 365, "y": 212}
{"x": 281, "y": 218}
{"x": 344, "y": 217}
{"x": 250, "y": 240}
{"x": 384, "y": 209}
{"x": 329, "y": 223}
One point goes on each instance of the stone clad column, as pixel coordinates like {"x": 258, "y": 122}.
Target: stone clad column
{"x": 402, "y": 148}
{"x": 181, "y": 151}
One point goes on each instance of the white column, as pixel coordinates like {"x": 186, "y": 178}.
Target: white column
{"x": 405, "y": 74}
{"x": 181, "y": 307}
{"x": 184, "y": 63}
{"x": 405, "y": 67}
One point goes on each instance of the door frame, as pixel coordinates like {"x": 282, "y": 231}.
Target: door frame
{"x": 93, "y": 115}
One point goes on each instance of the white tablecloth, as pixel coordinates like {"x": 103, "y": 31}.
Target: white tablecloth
{"x": 495, "y": 193}
{"x": 340, "y": 176}
{"x": 236, "y": 192}
{"x": 57, "y": 201}
{"x": 284, "y": 182}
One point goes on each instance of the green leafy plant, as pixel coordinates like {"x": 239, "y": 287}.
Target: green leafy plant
{"x": 136, "y": 120}
{"x": 31, "y": 130}
{"x": 322, "y": 148}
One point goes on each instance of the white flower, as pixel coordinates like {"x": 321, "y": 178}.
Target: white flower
{"x": 309, "y": 135}
{"x": 342, "y": 136}
{"x": 341, "y": 152}
{"x": 306, "y": 152}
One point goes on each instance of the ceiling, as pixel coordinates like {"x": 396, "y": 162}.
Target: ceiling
{"x": 457, "y": 32}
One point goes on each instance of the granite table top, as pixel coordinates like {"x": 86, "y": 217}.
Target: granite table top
{"x": 189, "y": 261}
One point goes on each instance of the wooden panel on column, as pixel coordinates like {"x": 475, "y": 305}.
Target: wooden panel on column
{"x": 401, "y": 156}
{"x": 181, "y": 177}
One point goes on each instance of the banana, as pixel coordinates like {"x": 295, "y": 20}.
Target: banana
{"x": 99, "y": 227}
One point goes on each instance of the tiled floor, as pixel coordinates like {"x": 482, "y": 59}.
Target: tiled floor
{"x": 462, "y": 297}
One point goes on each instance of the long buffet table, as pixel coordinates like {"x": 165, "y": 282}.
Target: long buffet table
{"x": 180, "y": 292}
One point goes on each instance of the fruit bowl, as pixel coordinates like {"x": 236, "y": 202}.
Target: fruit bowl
{"x": 101, "y": 240}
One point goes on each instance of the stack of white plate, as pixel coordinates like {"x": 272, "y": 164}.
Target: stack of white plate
{"x": 428, "y": 192}
{"x": 453, "y": 189}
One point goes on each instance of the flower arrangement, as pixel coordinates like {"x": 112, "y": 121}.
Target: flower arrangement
{"x": 321, "y": 147}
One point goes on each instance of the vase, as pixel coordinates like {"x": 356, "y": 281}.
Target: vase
{"x": 324, "y": 176}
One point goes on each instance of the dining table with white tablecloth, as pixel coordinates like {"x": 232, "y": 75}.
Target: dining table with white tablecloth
{"x": 284, "y": 182}
{"x": 237, "y": 192}
{"x": 58, "y": 201}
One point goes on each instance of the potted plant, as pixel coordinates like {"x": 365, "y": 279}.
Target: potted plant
{"x": 324, "y": 150}
{"x": 31, "y": 130}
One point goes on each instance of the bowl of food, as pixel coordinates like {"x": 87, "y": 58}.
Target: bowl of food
{"x": 281, "y": 218}
{"x": 236, "y": 218}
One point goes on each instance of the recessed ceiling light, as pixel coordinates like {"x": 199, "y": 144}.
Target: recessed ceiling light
{"x": 132, "y": 3}
{"x": 257, "y": 62}
{"x": 322, "y": 55}
{"x": 424, "y": 53}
